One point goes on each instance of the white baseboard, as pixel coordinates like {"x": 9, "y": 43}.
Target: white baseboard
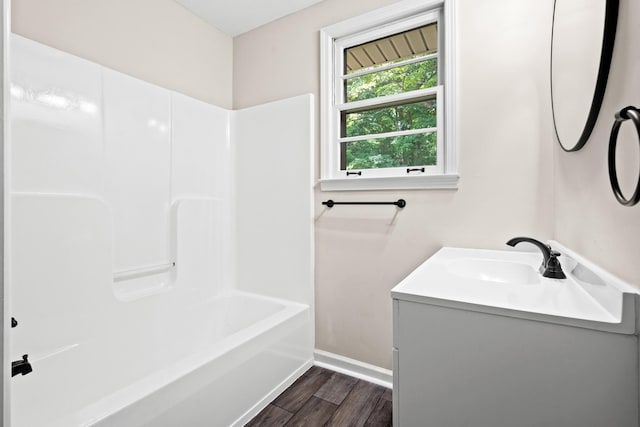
{"x": 355, "y": 368}
{"x": 255, "y": 410}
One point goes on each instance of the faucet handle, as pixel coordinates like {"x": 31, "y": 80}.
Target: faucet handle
{"x": 21, "y": 367}
{"x": 554, "y": 253}
{"x": 554, "y": 269}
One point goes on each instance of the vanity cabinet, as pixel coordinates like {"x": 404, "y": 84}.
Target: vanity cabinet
{"x": 458, "y": 364}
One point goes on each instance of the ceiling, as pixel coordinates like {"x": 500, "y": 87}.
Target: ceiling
{"x": 235, "y": 17}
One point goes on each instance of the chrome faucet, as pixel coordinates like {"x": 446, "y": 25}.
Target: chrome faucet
{"x": 550, "y": 266}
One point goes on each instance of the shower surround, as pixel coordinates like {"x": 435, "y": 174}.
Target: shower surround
{"x": 143, "y": 271}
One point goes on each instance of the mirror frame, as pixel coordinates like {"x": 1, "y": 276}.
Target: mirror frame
{"x": 606, "y": 53}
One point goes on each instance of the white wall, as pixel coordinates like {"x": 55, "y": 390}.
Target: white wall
{"x": 505, "y": 161}
{"x": 588, "y": 217}
{"x": 154, "y": 40}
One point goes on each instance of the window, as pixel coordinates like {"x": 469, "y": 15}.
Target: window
{"x": 387, "y": 99}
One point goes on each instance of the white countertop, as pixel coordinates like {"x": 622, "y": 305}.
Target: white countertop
{"x": 509, "y": 280}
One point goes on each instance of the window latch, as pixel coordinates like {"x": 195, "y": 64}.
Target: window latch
{"x": 354, "y": 173}
{"x": 409, "y": 170}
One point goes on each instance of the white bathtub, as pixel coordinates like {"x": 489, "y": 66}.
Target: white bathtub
{"x": 216, "y": 364}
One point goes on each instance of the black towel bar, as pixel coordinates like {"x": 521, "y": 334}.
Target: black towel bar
{"x": 401, "y": 203}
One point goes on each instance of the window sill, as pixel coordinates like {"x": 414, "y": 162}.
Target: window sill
{"x": 425, "y": 182}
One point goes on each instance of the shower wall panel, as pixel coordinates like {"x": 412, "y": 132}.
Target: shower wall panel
{"x": 200, "y": 187}
{"x": 56, "y": 115}
{"x": 157, "y": 162}
{"x": 274, "y": 222}
{"x": 138, "y": 150}
{"x": 200, "y": 152}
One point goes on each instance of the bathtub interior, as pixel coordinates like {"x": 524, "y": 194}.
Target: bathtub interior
{"x": 125, "y": 251}
{"x": 224, "y": 385}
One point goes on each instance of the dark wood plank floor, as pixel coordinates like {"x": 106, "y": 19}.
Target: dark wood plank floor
{"x": 325, "y": 398}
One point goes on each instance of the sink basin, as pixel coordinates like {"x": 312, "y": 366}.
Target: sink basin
{"x": 497, "y": 271}
{"x": 496, "y": 280}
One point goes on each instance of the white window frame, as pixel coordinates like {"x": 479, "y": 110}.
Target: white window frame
{"x": 380, "y": 23}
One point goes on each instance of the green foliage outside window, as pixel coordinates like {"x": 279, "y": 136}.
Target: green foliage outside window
{"x": 406, "y": 150}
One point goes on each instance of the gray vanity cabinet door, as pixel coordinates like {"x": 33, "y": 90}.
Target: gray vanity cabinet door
{"x": 460, "y": 368}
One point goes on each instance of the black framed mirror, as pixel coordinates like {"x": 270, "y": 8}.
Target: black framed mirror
{"x": 582, "y": 38}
